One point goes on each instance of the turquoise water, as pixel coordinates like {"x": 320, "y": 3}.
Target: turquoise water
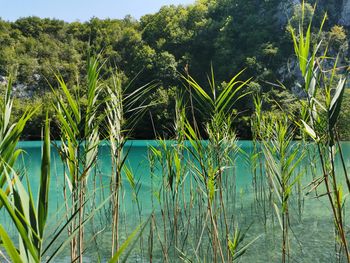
{"x": 137, "y": 161}
{"x": 314, "y": 242}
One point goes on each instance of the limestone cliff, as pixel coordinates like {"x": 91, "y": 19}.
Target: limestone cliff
{"x": 338, "y": 11}
{"x": 345, "y": 13}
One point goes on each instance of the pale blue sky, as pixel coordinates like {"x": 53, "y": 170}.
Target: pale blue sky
{"x": 82, "y": 10}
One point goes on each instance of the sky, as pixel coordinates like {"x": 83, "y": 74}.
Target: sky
{"x": 82, "y": 10}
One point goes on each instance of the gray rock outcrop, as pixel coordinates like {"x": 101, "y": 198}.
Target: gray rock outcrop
{"x": 345, "y": 14}
{"x": 285, "y": 11}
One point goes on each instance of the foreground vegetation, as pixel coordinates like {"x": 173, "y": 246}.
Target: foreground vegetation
{"x": 195, "y": 209}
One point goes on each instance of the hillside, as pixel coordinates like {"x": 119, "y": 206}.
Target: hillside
{"x": 228, "y": 34}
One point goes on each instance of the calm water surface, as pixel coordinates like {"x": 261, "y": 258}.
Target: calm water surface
{"x": 315, "y": 237}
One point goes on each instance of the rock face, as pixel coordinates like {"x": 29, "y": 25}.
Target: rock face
{"x": 3, "y": 80}
{"x": 20, "y": 90}
{"x": 285, "y": 11}
{"x": 345, "y": 14}
{"x": 341, "y": 11}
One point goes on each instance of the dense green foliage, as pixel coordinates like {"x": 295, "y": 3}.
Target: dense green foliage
{"x": 227, "y": 34}
{"x": 197, "y": 205}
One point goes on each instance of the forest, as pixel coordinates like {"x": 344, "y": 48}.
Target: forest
{"x": 226, "y": 36}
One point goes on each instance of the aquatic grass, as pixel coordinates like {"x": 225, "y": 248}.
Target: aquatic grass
{"x": 256, "y": 161}
{"x": 10, "y": 135}
{"x": 272, "y": 141}
{"x": 30, "y": 220}
{"x": 129, "y": 243}
{"x": 213, "y": 161}
{"x": 79, "y": 131}
{"x": 194, "y": 198}
{"x": 326, "y": 143}
{"x": 171, "y": 161}
{"x": 123, "y": 109}
{"x": 282, "y": 160}
{"x": 320, "y": 118}
{"x": 196, "y": 179}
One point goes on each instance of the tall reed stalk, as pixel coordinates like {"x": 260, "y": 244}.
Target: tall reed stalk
{"x": 262, "y": 191}
{"x": 10, "y": 134}
{"x": 214, "y": 160}
{"x": 283, "y": 157}
{"x": 121, "y": 101}
{"x": 31, "y": 220}
{"x": 28, "y": 218}
{"x": 324, "y": 97}
{"x": 79, "y": 131}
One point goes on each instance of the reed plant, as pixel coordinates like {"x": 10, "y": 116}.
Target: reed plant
{"x": 10, "y": 133}
{"x": 170, "y": 159}
{"x": 256, "y": 161}
{"x": 283, "y": 157}
{"x": 196, "y": 195}
{"x": 193, "y": 192}
{"x": 28, "y": 218}
{"x": 324, "y": 92}
{"x": 27, "y": 213}
{"x": 30, "y": 215}
{"x": 124, "y": 108}
{"x": 37, "y": 242}
{"x": 79, "y": 130}
{"x": 211, "y": 167}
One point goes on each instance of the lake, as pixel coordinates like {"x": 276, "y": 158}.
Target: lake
{"x": 311, "y": 223}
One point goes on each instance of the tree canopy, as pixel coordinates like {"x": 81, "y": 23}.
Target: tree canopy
{"x": 228, "y": 35}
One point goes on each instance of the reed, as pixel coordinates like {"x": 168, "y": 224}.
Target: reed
{"x": 196, "y": 196}
{"x": 283, "y": 157}
{"x": 321, "y": 119}
{"x": 29, "y": 219}
{"x": 29, "y": 215}
{"x": 121, "y": 101}
{"x": 79, "y": 126}
{"x": 209, "y": 164}
{"x": 79, "y": 131}
{"x": 262, "y": 191}
{"x": 10, "y": 135}
{"x": 195, "y": 210}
